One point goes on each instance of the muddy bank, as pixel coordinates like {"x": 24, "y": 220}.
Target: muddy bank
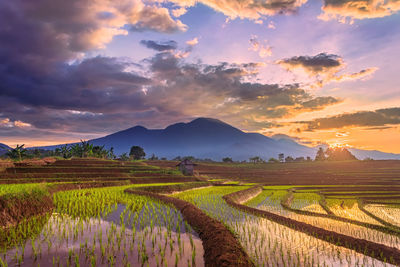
{"x": 162, "y": 180}
{"x": 14, "y": 208}
{"x": 169, "y": 189}
{"x": 220, "y": 246}
{"x": 374, "y": 250}
{"x": 247, "y": 194}
{"x": 73, "y": 186}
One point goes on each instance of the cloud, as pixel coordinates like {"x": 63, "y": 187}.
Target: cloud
{"x": 7, "y": 123}
{"x": 193, "y": 42}
{"x": 323, "y": 68}
{"x": 348, "y": 10}
{"x": 160, "y": 46}
{"x": 74, "y": 27}
{"x": 370, "y": 119}
{"x": 156, "y": 19}
{"x": 102, "y": 94}
{"x": 247, "y": 9}
{"x": 263, "y": 49}
{"x": 179, "y": 12}
{"x": 314, "y": 65}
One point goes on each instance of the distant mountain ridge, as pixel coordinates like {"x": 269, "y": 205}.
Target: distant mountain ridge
{"x": 3, "y": 148}
{"x": 213, "y": 139}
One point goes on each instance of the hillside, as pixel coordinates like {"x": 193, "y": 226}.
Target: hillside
{"x": 213, "y": 139}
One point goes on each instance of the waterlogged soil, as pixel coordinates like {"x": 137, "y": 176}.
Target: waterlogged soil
{"x": 66, "y": 241}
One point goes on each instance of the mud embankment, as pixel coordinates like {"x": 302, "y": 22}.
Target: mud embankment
{"x": 14, "y": 208}
{"x": 220, "y": 246}
{"x": 375, "y": 250}
{"x": 169, "y": 189}
{"x": 245, "y": 195}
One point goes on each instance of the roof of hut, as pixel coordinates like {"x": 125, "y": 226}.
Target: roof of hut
{"x": 186, "y": 162}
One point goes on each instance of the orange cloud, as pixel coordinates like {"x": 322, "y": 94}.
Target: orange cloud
{"x": 358, "y": 9}
{"x": 246, "y": 9}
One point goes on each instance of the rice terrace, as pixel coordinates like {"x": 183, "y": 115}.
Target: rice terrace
{"x": 97, "y": 212}
{"x": 199, "y": 133}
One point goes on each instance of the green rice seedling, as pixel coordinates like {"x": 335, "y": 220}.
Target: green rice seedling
{"x": 269, "y": 243}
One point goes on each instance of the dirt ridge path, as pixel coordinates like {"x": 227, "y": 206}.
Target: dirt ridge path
{"x": 372, "y": 249}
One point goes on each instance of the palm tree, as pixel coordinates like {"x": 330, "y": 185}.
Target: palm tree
{"x": 87, "y": 149}
{"x": 19, "y": 152}
{"x": 65, "y": 151}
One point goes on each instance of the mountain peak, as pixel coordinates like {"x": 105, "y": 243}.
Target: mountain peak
{"x": 207, "y": 120}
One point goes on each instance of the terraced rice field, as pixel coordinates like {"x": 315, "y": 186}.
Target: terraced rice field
{"x": 86, "y": 212}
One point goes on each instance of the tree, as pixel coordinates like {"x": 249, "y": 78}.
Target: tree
{"x": 289, "y": 159}
{"x": 153, "y": 157}
{"x": 64, "y": 151}
{"x": 37, "y": 153}
{"x": 87, "y": 149}
{"x": 256, "y": 159}
{"x": 281, "y": 157}
{"x": 227, "y": 160}
{"x": 273, "y": 160}
{"x": 191, "y": 158}
{"x": 18, "y": 153}
{"x": 110, "y": 153}
{"x": 339, "y": 154}
{"x": 124, "y": 157}
{"x": 299, "y": 159}
{"x": 320, "y": 155}
{"x": 137, "y": 153}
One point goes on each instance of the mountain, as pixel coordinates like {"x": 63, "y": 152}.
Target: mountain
{"x": 373, "y": 154}
{"x": 3, "y": 148}
{"x": 213, "y": 139}
{"x": 202, "y": 138}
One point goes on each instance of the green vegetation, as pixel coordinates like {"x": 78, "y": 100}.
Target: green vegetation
{"x": 137, "y": 153}
{"x": 107, "y": 226}
{"x": 269, "y": 243}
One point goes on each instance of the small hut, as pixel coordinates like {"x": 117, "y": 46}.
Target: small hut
{"x": 186, "y": 167}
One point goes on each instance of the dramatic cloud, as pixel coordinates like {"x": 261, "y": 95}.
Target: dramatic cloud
{"x": 104, "y": 94}
{"x": 247, "y": 9}
{"x": 160, "y": 46}
{"x": 358, "y": 9}
{"x": 323, "y": 67}
{"x": 263, "y": 49}
{"x": 78, "y": 26}
{"x": 377, "y": 118}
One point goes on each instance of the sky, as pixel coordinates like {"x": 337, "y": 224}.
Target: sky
{"x": 319, "y": 71}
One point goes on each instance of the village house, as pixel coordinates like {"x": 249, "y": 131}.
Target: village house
{"x": 186, "y": 167}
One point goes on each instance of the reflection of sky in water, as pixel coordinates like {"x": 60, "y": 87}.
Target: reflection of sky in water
{"x": 272, "y": 244}
{"x": 272, "y": 204}
{"x": 151, "y": 215}
{"x": 55, "y": 245}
